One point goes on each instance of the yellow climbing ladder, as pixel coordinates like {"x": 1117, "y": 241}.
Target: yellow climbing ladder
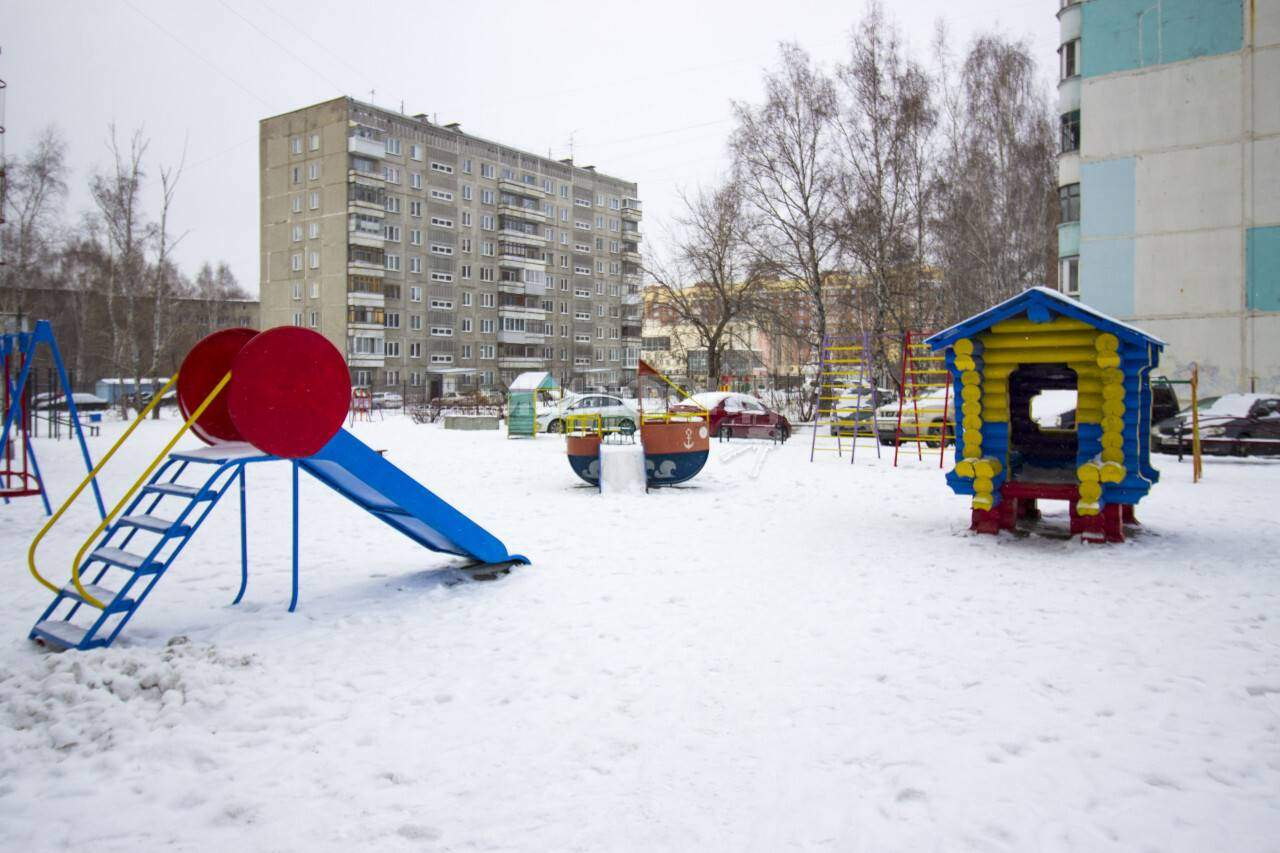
{"x": 844, "y": 374}
{"x": 925, "y": 419}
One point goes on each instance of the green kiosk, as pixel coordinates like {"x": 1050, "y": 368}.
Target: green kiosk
{"x": 522, "y": 402}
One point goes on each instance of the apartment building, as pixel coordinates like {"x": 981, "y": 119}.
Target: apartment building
{"x": 439, "y": 261}
{"x": 1169, "y": 177}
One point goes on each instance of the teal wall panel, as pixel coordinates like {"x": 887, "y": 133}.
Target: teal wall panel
{"x": 1106, "y": 276}
{"x": 1108, "y": 198}
{"x": 1068, "y": 239}
{"x": 1262, "y": 268}
{"x": 1121, "y": 35}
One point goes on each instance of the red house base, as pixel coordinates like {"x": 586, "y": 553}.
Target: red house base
{"x": 1018, "y": 501}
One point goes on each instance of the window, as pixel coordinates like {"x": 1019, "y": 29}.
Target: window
{"x": 391, "y": 262}
{"x": 466, "y": 350}
{"x": 487, "y": 350}
{"x": 415, "y": 180}
{"x": 297, "y": 318}
{"x": 415, "y": 264}
{"x": 297, "y": 233}
{"x": 441, "y": 222}
{"x": 393, "y": 145}
{"x": 392, "y": 349}
{"x": 442, "y": 195}
{"x": 1069, "y": 59}
{"x": 466, "y": 246}
{"x": 391, "y": 174}
{"x": 415, "y": 236}
{"x": 314, "y": 319}
{"x": 415, "y": 152}
{"x": 415, "y": 209}
{"x": 297, "y": 290}
{"x": 295, "y": 145}
{"x": 436, "y": 275}
{"x": 486, "y": 196}
{"x": 392, "y": 378}
{"x": 441, "y": 167}
{"x": 466, "y": 218}
{"x": 297, "y": 204}
{"x": 466, "y": 324}
{"x": 487, "y": 170}
{"x": 415, "y": 350}
{"x": 465, "y": 272}
{"x": 466, "y": 166}
{"x": 440, "y": 249}
{"x": 315, "y": 290}
{"x": 486, "y": 221}
{"x": 1069, "y": 203}
{"x": 466, "y": 192}
{"x": 442, "y": 304}
{"x": 582, "y": 293}
{"x": 313, "y": 171}
{"x": 415, "y": 293}
{"x": 486, "y": 248}
{"x": 441, "y": 358}
{"x": 315, "y": 200}
{"x": 313, "y": 230}
{"x": 391, "y": 320}
{"x": 486, "y": 327}
{"x": 486, "y": 274}
{"x": 466, "y": 299}
{"x": 415, "y": 322}
{"x": 391, "y": 232}
{"x": 487, "y": 300}
{"x": 441, "y": 332}
{"x": 1070, "y": 126}
{"x": 393, "y": 204}
{"x": 1069, "y": 276}
{"x": 295, "y": 261}
{"x": 582, "y": 315}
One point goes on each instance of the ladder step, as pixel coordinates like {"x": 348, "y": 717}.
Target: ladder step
{"x": 125, "y": 560}
{"x": 178, "y": 490}
{"x": 60, "y": 632}
{"x": 155, "y": 524}
{"x": 102, "y": 593}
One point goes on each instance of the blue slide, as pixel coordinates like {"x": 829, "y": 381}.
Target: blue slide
{"x": 352, "y": 468}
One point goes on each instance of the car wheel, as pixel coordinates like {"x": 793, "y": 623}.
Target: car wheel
{"x": 555, "y": 426}
{"x": 626, "y": 426}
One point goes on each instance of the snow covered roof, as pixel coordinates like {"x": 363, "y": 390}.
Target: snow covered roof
{"x": 1040, "y": 304}
{"x": 533, "y": 381}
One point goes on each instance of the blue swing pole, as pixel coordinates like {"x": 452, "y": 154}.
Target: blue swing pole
{"x": 244, "y": 542}
{"x": 45, "y": 329}
{"x": 293, "y": 601}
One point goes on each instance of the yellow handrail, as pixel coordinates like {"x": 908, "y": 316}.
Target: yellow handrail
{"x": 142, "y": 415}
{"x": 75, "y": 565}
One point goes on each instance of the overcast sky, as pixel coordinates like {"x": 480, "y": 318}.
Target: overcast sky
{"x": 643, "y": 89}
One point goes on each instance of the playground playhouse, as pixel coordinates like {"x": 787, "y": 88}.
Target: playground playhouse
{"x": 1040, "y": 340}
{"x": 522, "y": 401}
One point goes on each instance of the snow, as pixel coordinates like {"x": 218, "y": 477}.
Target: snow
{"x": 1233, "y": 405}
{"x": 532, "y": 381}
{"x": 1048, "y": 406}
{"x": 780, "y": 655}
{"x": 622, "y": 469}
{"x": 1067, "y": 302}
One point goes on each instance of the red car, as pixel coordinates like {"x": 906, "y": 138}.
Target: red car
{"x": 737, "y": 416}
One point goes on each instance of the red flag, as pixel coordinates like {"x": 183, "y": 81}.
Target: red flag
{"x": 645, "y": 370}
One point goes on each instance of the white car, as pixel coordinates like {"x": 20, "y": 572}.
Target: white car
{"x": 613, "y": 410}
{"x": 386, "y": 400}
{"x": 921, "y": 416}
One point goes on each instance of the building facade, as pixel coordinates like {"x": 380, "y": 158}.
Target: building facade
{"x": 1169, "y": 177}
{"x": 441, "y": 262}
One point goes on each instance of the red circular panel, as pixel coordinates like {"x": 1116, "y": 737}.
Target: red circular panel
{"x": 289, "y": 392}
{"x": 202, "y": 369}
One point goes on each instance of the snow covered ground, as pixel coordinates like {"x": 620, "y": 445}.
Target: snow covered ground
{"x": 778, "y": 656}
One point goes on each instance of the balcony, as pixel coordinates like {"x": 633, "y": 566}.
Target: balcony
{"x": 510, "y": 185}
{"x": 632, "y": 235}
{"x": 524, "y": 238}
{"x": 366, "y": 147}
{"x": 630, "y": 330}
{"x": 633, "y": 297}
{"x": 506, "y": 336}
{"x": 631, "y": 255}
{"x": 526, "y": 312}
{"x": 508, "y": 206}
{"x": 520, "y": 362}
{"x": 519, "y": 261}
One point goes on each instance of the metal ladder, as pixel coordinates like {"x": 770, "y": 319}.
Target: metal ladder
{"x": 923, "y": 374}
{"x": 843, "y": 361}
{"x": 124, "y": 558}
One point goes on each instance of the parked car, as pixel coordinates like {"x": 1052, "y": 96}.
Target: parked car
{"x": 855, "y": 409}
{"x": 922, "y": 416}
{"x": 616, "y": 414}
{"x": 1233, "y": 424}
{"x": 1164, "y": 404}
{"x": 387, "y": 400}
{"x": 735, "y": 415}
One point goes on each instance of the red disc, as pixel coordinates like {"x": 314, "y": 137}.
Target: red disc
{"x": 202, "y": 369}
{"x": 289, "y": 392}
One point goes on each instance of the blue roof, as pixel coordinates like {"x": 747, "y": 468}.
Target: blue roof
{"x": 1040, "y": 304}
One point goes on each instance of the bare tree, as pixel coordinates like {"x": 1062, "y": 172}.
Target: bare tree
{"x": 117, "y": 194}
{"x": 996, "y": 220}
{"x": 712, "y": 281}
{"x": 783, "y": 160}
{"x": 35, "y": 192}
{"x": 165, "y": 282}
{"x": 885, "y": 128}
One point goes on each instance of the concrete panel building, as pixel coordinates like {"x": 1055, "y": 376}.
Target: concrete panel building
{"x": 438, "y": 261}
{"x": 1169, "y": 177}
